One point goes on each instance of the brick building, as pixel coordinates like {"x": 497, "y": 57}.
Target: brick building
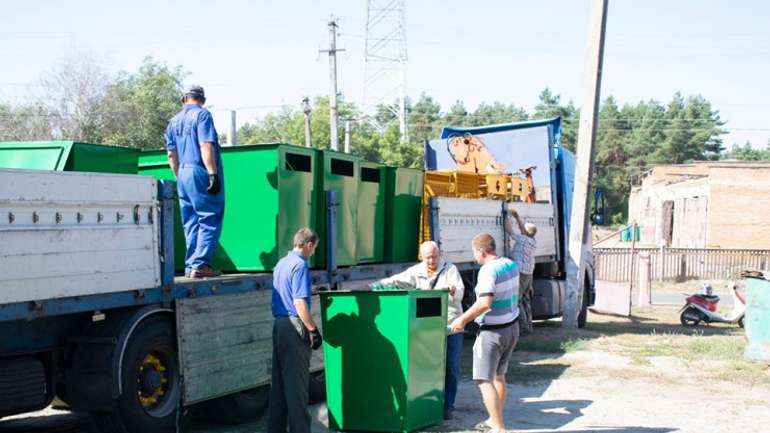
{"x": 706, "y": 204}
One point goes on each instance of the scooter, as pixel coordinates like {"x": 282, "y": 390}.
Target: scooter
{"x": 702, "y": 307}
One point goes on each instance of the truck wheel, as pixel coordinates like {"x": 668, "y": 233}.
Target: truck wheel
{"x": 239, "y": 408}
{"x": 583, "y": 316}
{"x": 150, "y": 382}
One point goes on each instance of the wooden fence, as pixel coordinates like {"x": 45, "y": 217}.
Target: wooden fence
{"x": 619, "y": 264}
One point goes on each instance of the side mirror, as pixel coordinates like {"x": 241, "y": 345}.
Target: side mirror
{"x": 599, "y": 208}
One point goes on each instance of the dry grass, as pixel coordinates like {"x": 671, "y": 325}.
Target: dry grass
{"x": 650, "y": 345}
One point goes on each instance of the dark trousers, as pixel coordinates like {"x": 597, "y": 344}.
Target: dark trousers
{"x": 291, "y": 373}
{"x": 454, "y": 350}
{"x": 526, "y": 292}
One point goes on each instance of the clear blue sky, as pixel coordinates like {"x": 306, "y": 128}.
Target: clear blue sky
{"x": 262, "y": 54}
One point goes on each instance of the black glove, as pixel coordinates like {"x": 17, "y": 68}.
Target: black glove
{"x": 214, "y": 185}
{"x": 317, "y": 340}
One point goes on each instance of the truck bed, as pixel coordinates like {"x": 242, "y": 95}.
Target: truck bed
{"x": 183, "y": 288}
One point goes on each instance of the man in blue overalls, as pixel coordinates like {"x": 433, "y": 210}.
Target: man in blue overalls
{"x": 193, "y": 154}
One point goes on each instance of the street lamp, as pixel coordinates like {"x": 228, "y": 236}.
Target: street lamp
{"x": 307, "y": 109}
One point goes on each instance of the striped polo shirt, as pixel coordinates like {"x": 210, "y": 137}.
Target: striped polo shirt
{"x": 500, "y": 278}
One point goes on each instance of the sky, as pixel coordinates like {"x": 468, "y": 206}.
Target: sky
{"x": 257, "y": 56}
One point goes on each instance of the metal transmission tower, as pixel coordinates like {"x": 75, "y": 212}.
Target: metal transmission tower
{"x": 385, "y": 58}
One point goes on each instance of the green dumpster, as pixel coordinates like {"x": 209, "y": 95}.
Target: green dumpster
{"x": 757, "y": 321}
{"x": 68, "y": 156}
{"x": 155, "y": 163}
{"x": 370, "y": 240}
{"x": 403, "y": 205}
{"x": 338, "y": 172}
{"x": 384, "y": 356}
{"x": 269, "y": 195}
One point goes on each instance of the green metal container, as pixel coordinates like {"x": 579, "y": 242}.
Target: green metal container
{"x": 384, "y": 355}
{"x": 370, "y": 239}
{"x": 155, "y": 163}
{"x": 403, "y": 205}
{"x": 338, "y": 172}
{"x": 269, "y": 195}
{"x": 757, "y": 321}
{"x": 68, "y": 156}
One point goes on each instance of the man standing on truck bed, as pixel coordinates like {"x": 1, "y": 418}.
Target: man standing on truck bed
{"x": 436, "y": 273}
{"x": 294, "y": 335}
{"x": 194, "y": 156}
{"x": 496, "y": 310}
{"x": 523, "y": 253}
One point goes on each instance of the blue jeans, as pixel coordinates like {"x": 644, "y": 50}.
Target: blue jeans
{"x": 454, "y": 349}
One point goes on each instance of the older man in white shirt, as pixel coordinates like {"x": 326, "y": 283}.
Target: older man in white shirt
{"x": 431, "y": 273}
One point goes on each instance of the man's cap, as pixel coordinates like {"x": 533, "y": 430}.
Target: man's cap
{"x": 531, "y": 229}
{"x": 195, "y": 91}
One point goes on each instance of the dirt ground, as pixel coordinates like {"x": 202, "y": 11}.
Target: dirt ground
{"x": 633, "y": 375}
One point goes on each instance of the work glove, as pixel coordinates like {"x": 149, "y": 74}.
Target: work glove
{"x": 214, "y": 185}
{"x": 315, "y": 339}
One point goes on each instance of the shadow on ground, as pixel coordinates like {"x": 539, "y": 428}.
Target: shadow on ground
{"x": 60, "y": 422}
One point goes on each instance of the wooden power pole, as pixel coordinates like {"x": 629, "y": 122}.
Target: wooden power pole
{"x": 589, "y": 111}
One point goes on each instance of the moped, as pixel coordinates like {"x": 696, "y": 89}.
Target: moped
{"x": 702, "y": 307}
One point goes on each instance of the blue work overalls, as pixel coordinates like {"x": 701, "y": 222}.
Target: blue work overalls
{"x": 202, "y": 213}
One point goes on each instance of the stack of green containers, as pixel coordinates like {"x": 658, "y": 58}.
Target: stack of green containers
{"x": 370, "y": 239}
{"x": 271, "y": 191}
{"x": 384, "y": 358}
{"x": 269, "y": 194}
{"x": 338, "y": 172}
{"x": 403, "y": 205}
{"x": 68, "y": 156}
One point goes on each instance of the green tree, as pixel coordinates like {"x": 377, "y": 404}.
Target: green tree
{"x": 288, "y": 125}
{"x": 424, "y": 119}
{"x": 549, "y": 105}
{"x": 692, "y": 131}
{"x": 496, "y": 112}
{"x": 143, "y": 103}
{"x": 457, "y": 115}
{"x": 611, "y": 170}
{"x": 747, "y": 153}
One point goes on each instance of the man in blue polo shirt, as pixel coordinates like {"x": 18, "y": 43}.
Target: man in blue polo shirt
{"x": 496, "y": 310}
{"x": 294, "y": 335}
{"x": 193, "y": 154}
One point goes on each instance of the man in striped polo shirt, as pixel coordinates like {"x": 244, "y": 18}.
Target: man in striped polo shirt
{"x": 496, "y": 310}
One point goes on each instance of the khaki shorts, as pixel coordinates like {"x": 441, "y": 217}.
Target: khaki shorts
{"x": 492, "y": 351}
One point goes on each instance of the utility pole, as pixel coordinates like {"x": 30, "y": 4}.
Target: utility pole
{"x": 589, "y": 110}
{"x": 307, "y": 110}
{"x": 332, "y": 51}
{"x": 233, "y": 130}
{"x": 347, "y": 135}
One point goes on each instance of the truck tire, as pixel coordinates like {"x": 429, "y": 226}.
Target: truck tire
{"x": 151, "y": 387}
{"x": 583, "y": 316}
{"x": 238, "y": 408}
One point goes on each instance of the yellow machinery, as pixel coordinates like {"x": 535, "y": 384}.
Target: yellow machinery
{"x": 463, "y": 184}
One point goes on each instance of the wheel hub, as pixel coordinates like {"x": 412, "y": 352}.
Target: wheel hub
{"x": 152, "y": 381}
